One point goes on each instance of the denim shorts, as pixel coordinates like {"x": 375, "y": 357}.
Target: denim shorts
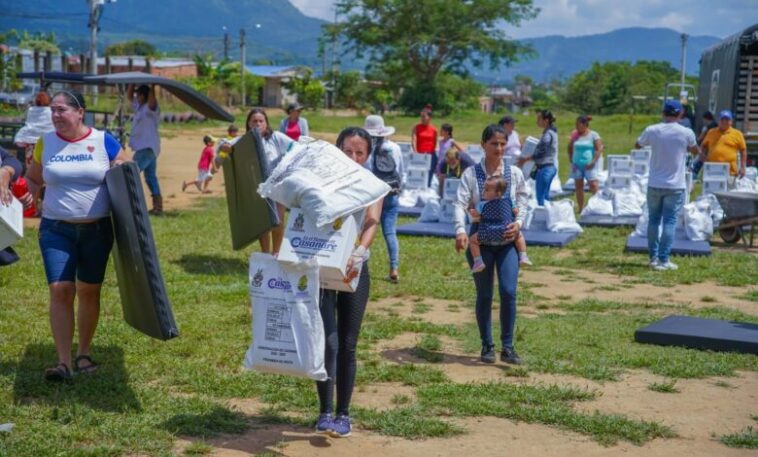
{"x": 583, "y": 173}
{"x": 75, "y": 251}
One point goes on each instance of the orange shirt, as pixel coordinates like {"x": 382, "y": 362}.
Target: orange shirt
{"x": 426, "y": 138}
{"x": 724, "y": 146}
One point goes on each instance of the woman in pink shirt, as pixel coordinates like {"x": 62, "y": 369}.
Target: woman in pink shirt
{"x": 293, "y": 125}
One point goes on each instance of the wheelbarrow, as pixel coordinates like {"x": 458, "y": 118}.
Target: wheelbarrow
{"x": 740, "y": 216}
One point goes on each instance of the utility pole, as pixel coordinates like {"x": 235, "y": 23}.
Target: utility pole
{"x": 684, "y": 59}
{"x": 95, "y": 12}
{"x": 242, "y": 65}
{"x": 226, "y": 43}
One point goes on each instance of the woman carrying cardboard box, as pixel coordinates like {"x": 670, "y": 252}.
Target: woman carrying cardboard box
{"x": 342, "y": 312}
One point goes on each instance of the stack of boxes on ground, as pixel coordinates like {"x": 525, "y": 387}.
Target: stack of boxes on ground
{"x": 416, "y": 192}
{"x": 622, "y": 199}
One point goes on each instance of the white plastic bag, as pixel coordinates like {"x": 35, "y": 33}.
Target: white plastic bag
{"x": 408, "y": 198}
{"x": 288, "y": 333}
{"x": 600, "y": 204}
{"x": 626, "y": 204}
{"x": 322, "y": 181}
{"x": 697, "y": 224}
{"x": 560, "y": 217}
{"x": 431, "y": 212}
{"x": 39, "y": 121}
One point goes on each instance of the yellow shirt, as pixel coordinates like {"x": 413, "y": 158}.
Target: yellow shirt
{"x": 724, "y": 146}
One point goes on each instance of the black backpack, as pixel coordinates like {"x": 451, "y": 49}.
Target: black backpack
{"x": 384, "y": 166}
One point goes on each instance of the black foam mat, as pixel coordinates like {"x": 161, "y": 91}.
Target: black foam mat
{"x": 693, "y": 332}
{"x": 250, "y": 215}
{"x": 608, "y": 221}
{"x": 447, "y": 230}
{"x": 144, "y": 301}
{"x": 680, "y": 247}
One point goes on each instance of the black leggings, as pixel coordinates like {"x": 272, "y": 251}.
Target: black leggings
{"x": 342, "y": 313}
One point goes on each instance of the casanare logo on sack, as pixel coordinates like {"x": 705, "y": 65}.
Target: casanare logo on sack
{"x": 279, "y": 283}
{"x": 313, "y": 243}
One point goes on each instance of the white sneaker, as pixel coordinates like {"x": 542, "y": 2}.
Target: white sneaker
{"x": 654, "y": 263}
{"x": 666, "y": 266}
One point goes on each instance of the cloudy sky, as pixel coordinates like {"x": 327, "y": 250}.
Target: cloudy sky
{"x": 582, "y": 17}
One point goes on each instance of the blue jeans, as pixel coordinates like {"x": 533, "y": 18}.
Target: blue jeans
{"x": 544, "y": 177}
{"x": 75, "y": 251}
{"x": 504, "y": 259}
{"x": 390, "y": 207}
{"x": 433, "y": 167}
{"x": 662, "y": 205}
{"x": 148, "y": 163}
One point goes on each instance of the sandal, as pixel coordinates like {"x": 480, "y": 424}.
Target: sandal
{"x": 58, "y": 373}
{"x": 88, "y": 369}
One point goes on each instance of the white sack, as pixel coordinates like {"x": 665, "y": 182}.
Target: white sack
{"x": 425, "y": 196}
{"x": 560, "y": 217}
{"x": 431, "y": 212}
{"x": 600, "y": 204}
{"x": 697, "y": 224}
{"x": 626, "y": 204}
{"x": 288, "y": 333}
{"x": 39, "y": 121}
{"x": 408, "y": 198}
{"x": 322, "y": 181}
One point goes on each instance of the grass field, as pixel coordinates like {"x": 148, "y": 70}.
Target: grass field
{"x": 148, "y": 394}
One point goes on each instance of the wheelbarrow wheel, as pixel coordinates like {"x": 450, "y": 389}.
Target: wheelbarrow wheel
{"x": 730, "y": 235}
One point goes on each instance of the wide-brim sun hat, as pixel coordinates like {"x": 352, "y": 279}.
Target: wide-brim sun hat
{"x": 374, "y": 125}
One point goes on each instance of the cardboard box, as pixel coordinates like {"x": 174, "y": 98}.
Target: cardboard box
{"x": 405, "y": 147}
{"x": 475, "y": 152}
{"x": 417, "y": 179}
{"x": 714, "y": 185}
{"x": 620, "y": 166}
{"x": 11, "y": 223}
{"x": 331, "y": 246}
{"x": 641, "y": 168}
{"x": 640, "y": 155}
{"x": 450, "y": 190}
{"x": 420, "y": 161}
{"x": 715, "y": 170}
{"x": 530, "y": 144}
{"x": 619, "y": 182}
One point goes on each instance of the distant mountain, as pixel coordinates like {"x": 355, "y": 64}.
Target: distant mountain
{"x": 287, "y": 36}
{"x": 560, "y": 57}
{"x": 275, "y": 29}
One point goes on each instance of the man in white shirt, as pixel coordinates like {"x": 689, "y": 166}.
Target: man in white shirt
{"x": 144, "y": 139}
{"x": 670, "y": 143}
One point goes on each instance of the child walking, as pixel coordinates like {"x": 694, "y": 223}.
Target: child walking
{"x": 205, "y": 167}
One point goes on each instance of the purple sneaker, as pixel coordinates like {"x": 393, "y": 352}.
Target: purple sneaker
{"x": 325, "y": 424}
{"x": 341, "y": 426}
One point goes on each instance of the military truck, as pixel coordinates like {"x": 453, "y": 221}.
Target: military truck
{"x": 729, "y": 80}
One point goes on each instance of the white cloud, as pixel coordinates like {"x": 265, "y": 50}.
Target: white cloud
{"x": 584, "y": 17}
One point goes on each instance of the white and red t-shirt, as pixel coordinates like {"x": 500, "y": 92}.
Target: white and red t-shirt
{"x": 74, "y": 173}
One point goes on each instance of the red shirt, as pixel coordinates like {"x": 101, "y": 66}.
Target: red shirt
{"x": 426, "y": 138}
{"x": 206, "y": 158}
{"x": 293, "y": 130}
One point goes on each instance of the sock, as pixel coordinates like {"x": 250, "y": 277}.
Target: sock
{"x": 478, "y": 259}
{"x": 522, "y": 255}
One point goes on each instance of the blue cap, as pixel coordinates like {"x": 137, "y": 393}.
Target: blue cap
{"x": 672, "y": 108}
{"x": 726, "y": 114}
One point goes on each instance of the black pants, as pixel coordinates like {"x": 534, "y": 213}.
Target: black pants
{"x": 342, "y": 313}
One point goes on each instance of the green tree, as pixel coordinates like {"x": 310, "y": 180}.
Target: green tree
{"x": 131, "y": 48}
{"x": 42, "y": 42}
{"x": 223, "y": 80}
{"x": 309, "y": 90}
{"x": 412, "y": 42}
